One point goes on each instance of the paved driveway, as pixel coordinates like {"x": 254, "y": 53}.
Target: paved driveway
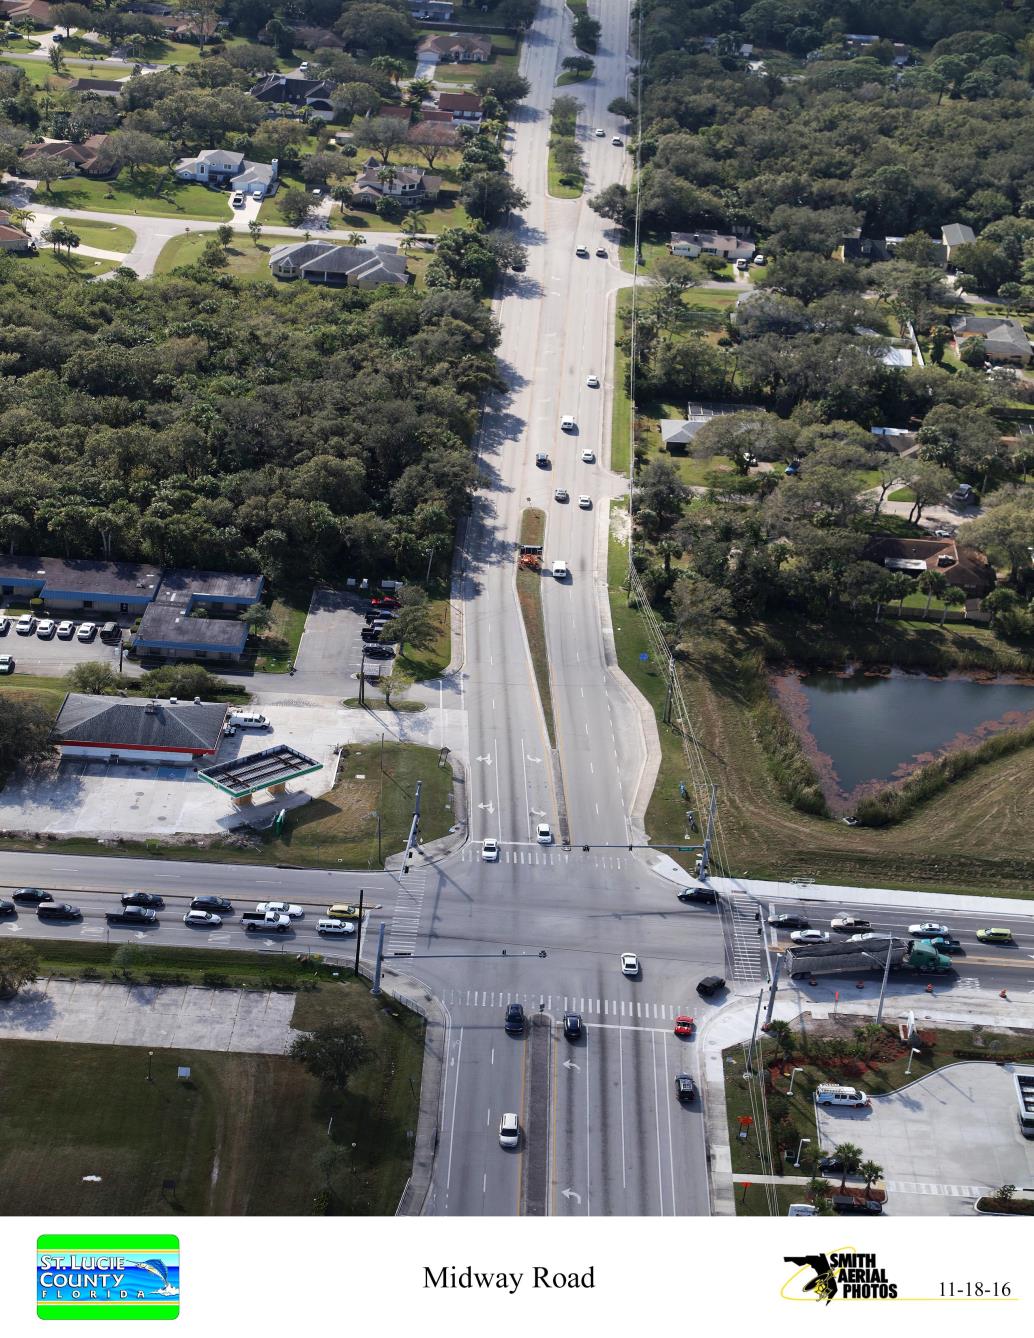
{"x": 330, "y": 650}
{"x": 942, "y": 1141}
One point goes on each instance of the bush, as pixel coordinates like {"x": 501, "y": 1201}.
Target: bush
{"x": 390, "y": 209}
{"x": 215, "y": 980}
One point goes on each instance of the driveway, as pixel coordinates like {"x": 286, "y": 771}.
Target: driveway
{"x": 246, "y": 1021}
{"x": 942, "y": 1141}
{"x": 330, "y": 650}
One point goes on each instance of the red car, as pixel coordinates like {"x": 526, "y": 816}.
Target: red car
{"x": 684, "y": 1026}
{"x": 384, "y": 602}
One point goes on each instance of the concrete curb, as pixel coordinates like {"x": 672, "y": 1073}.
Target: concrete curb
{"x": 828, "y": 893}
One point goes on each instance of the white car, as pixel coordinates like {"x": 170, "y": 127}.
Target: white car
{"x": 629, "y": 964}
{"x": 616, "y": 141}
{"x": 66, "y": 630}
{"x": 759, "y": 260}
{"x": 46, "y": 628}
{"x": 279, "y": 908}
{"x": 600, "y": 132}
{"x": 592, "y": 381}
{"x": 588, "y": 457}
{"x": 928, "y": 927}
{"x": 544, "y": 834}
{"x": 509, "y": 1130}
{"x": 26, "y": 625}
{"x": 490, "y": 850}
{"x": 203, "y": 918}
{"x": 560, "y": 571}
{"x": 864, "y": 938}
{"x": 743, "y": 264}
{"x": 567, "y": 423}
{"x": 585, "y": 501}
{"x": 237, "y": 200}
{"x": 87, "y": 631}
{"x": 809, "y": 936}
{"x": 304, "y": 65}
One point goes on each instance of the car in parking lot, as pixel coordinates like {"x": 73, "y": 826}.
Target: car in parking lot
{"x": 788, "y": 920}
{"x": 742, "y": 264}
{"x": 572, "y": 1026}
{"x": 151, "y": 899}
{"x": 86, "y": 632}
{"x": 848, "y": 1205}
{"x": 809, "y": 936}
{"x": 6, "y": 664}
{"x": 710, "y": 985}
{"x": 206, "y": 918}
{"x": 684, "y": 1025}
{"x": 588, "y": 456}
{"x": 66, "y": 630}
{"x": 509, "y": 1130}
{"x": 378, "y": 651}
{"x": 32, "y": 896}
{"x": 513, "y": 1019}
{"x": 592, "y": 381}
{"x": 58, "y": 910}
{"x": 759, "y": 260}
{"x": 831, "y": 1164}
{"x": 490, "y": 850}
{"x": 928, "y": 929}
{"x": 207, "y": 903}
{"x": 629, "y": 964}
{"x": 994, "y": 935}
{"x": 560, "y": 570}
{"x": 237, "y": 199}
{"x": 383, "y": 602}
{"x": 560, "y": 495}
{"x": 26, "y": 625}
{"x": 45, "y": 628}
{"x": 110, "y": 631}
{"x": 684, "y": 1088}
{"x": 544, "y": 834}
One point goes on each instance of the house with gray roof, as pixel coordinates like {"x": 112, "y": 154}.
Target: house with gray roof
{"x": 326, "y": 262}
{"x": 1005, "y": 339}
{"x": 954, "y": 235}
{"x": 126, "y": 729}
{"x": 224, "y": 168}
{"x": 401, "y": 183}
{"x": 168, "y": 632}
{"x": 708, "y": 242}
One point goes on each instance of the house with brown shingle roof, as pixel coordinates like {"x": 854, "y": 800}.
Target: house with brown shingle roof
{"x": 460, "y": 47}
{"x": 85, "y": 157}
{"x": 463, "y": 107}
{"x": 967, "y": 568}
{"x": 403, "y": 183}
{"x": 12, "y": 237}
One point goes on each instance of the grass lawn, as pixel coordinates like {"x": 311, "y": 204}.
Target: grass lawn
{"x": 48, "y": 692}
{"x": 529, "y": 596}
{"x": 246, "y": 260}
{"x": 41, "y": 72}
{"x": 278, "y": 645}
{"x": 572, "y": 77}
{"x": 102, "y": 236}
{"x": 448, "y": 213}
{"x": 220, "y": 1135}
{"x": 901, "y": 495}
{"x": 179, "y": 199}
{"x": 73, "y": 266}
{"x": 434, "y": 660}
{"x": 559, "y": 184}
{"x": 18, "y": 44}
{"x": 505, "y": 47}
{"x": 753, "y": 1200}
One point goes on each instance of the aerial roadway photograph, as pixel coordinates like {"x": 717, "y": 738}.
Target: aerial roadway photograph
{"x": 471, "y": 472}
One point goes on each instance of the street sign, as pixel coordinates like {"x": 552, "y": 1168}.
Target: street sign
{"x": 643, "y": 655}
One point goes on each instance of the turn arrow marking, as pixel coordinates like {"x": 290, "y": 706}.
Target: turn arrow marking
{"x": 571, "y": 1194}
{"x": 489, "y": 807}
{"x": 486, "y": 758}
{"x": 570, "y": 1064}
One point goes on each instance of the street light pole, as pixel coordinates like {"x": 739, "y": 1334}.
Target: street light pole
{"x": 908, "y": 1066}
{"x": 883, "y": 984}
{"x": 150, "y": 1056}
{"x": 792, "y": 1076}
{"x": 800, "y": 1149}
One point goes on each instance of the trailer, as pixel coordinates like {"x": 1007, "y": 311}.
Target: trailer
{"x": 1025, "y": 1097}
{"x": 814, "y": 959}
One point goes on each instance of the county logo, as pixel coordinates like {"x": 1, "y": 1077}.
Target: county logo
{"x": 107, "y": 1277}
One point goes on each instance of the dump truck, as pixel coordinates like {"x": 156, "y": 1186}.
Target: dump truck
{"x": 813, "y": 959}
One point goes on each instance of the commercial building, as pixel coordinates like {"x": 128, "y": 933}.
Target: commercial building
{"x": 124, "y": 729}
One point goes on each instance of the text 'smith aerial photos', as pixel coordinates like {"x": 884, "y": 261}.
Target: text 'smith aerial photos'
{"x": 516, "y": 623}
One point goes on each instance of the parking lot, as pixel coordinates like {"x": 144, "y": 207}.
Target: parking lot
{"x": 55, "y": 656}
{"x": 330, "y": 650}
{"x": 942, "y": 1141}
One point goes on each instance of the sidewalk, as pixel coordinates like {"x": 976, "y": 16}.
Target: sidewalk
{"x": 827, "y": 893}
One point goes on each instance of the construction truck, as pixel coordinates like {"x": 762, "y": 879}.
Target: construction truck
{"x": 814, "y": 959}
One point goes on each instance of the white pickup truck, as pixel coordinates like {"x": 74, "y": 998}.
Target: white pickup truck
{"x": 279, "y": 908}
{"x": 268, "y": 922}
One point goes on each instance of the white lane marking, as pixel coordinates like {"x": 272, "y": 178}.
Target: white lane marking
{"x": 657, "y": 1121}
{"x": 621, "y": 1091}
{"x": 452, "y": 1124}
{"x": 671, "y": 1145}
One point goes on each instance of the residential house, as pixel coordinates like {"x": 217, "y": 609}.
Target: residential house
{"x": 460, "y": 47}
{"x": 280, "y": 90}
{"x": 954, "y": 235}
{"x": 679, "y": 432}
{"x": 12, "y": 237}
{"x": 150, "y": 733}
{"x": 465, "y": 108}
{"x": 1004, "y": 338}
{"x": 861, "y": 250}
{"x": 224, "y": 168}
{"x": 707, "y": 242}
{"x": 402, "y": 183}
{"x": 896, "y": 357}
{"x": 393, "y": 112}
{"x": 433, "y": 11}
{"x": 964, "y": 567}
{"x": 14, "y": 11}
{"x": 312, "y": 39}
{"x": 85, "y": 158}
{"x": 898, "y": 439}
{"x": 861, "y": 39}
{"x": 434, "y": 116}
{"x": 102, "y": 88}
{"x": 328, "y": 263}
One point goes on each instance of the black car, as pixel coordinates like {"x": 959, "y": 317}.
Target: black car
{"x": 377, "y": 651}
{"x": 6, "y": 907}
{"x": 514, "y": 1019}
{"x": 848, "y": 1204}
{"x": 219, "y": 904}
{"x": 151, "y": 899}
{"x": 370, "y": 634}
{"x": 32, "y": 896}
{"x": 684, "y": 1089}
{"x": 787, "y": 920}
{"x": 133, "y": 915}
{"x": 710, "y": 985}
{"x": 702, "y": 896}
{"x": 831, "y": 1165}
{"x": 58, "y": 910}
{"x": 111, "y": 631}
{"x": 572, "y": 1026}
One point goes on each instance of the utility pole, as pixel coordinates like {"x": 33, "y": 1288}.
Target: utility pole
{"x": 376, "y": 987}
{"x": 359, "y": 931}
{"x": 772, "y": 988}
{"x": 669, "y": 690}
{"x": 754, "y": 1034}
{"x": 883, "y": 986}
{"x": 362, "y": 677}
{"x": 712, "y": 813}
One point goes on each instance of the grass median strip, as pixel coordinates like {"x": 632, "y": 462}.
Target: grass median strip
{"x": 529, "y": 596}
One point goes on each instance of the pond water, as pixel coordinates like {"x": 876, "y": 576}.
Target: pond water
{"x": 862, "y": 729}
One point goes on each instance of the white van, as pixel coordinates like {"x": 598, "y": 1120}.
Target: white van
{"x": 802, "y": 1210}
{"x": 247, "y": 720}
{"x": 832, "y": 1094}
{"x": 335, "y": 926}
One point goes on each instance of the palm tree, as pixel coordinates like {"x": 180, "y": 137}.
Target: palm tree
{"x": 850, "y": 1155}
{"x": 870, "y": 1171}
{"x": 954, "y": 598}
{"x": 390, "y": 66}
{"x": 412, "y": 225}
{"x": 782, "y": 1033}
{"x": 817, "y": 1190}
{"x": 355, "y": 239}
{"x": 387, "y": 175}
{"x": 419, "y": 89}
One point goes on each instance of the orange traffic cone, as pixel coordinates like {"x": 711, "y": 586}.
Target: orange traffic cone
{"x": 1002, "y": 994}
{"x": 929, "y": 989}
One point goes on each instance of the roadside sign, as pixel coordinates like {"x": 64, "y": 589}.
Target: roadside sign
{"x": 643, "y": 655}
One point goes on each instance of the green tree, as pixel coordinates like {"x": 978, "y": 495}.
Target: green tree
{"x": 356, "y": 99}
{"x": 383, "y": 134}
{"x": 255, "y": 228}
{"x": 69, "y": 16}
{"x": 395, "y": 682}
{"x": 850, "y": 1155}
{"x": 19, "y": 966}
{"x": 56, "y": 56}
{"x": 41, "y": 167}
{"x": 258, "y": 618}
{"x": 586, "y": 32}
{"x": 930, "y": 483}
{"x": 583, "y": 65}
{"x": 95, "y": 677}
{"x": 224, "y": 235}
{"x": 870, "y": 1171}
{"x": 506, "y": 85}
{"x": 1006, "y": 525}
{"x": 332, "y": 1053}
{"x": 784, "y": 1037}
{"x": 490, "y": 196}
{"x": 295, "y": 206}
{"x": 24, "y": 734}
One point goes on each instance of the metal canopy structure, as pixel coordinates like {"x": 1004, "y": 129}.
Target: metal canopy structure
{"x": 270, "y": 769}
